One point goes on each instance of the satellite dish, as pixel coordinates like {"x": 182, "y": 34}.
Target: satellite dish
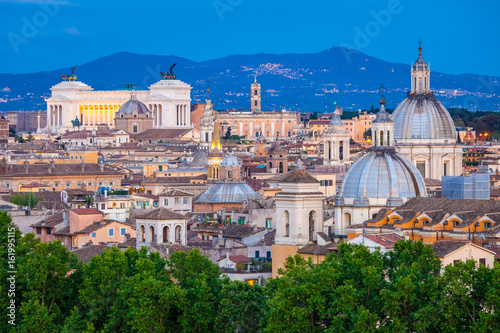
{"x": 482, "y": 237}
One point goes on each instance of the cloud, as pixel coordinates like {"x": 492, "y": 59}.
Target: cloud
{"x": 72, "y": 31}
{"x": 6, "y": 89}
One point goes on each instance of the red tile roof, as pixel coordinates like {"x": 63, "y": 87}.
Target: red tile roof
{"x": 86, "y": 211}
{"x": 239, "y": 259}
{"x": 385, "y": 240}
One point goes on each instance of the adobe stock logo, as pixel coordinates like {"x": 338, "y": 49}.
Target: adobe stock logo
{"x": 31, "y": 25}
{"x": 223, "y": 6}
{"x": 363, "y": 36}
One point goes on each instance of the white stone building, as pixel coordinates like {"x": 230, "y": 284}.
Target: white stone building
{"x": 336, "y": 142}
{"x": 161, "y": 226}
{"x": 168, "y": 100}
{"x": 424, "y": 132}
{"x": 379, "y": 179}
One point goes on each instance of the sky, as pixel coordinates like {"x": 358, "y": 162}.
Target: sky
{"x": 458, "y": 36}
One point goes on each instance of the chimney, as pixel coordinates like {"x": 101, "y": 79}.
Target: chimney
{"x": 101, "y": 166}
{"x": 26, "y": 166}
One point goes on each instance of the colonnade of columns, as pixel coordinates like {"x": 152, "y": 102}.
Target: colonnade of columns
{"x": 336, "y": 150}
{"x": 93, "y": 115}
{"x": 157, "y": 110}
{"x": 182, "y": 114}
{"x": 55, "y": 116}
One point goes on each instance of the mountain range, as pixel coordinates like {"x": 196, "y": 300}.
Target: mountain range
{"x": 301, "y": 82}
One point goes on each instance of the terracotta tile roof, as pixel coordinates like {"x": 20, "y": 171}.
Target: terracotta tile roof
{"x": 163, "y": 134}
{"x": 432, "y": 182}
{"x": 385, "y": 240}
{"x": 147, "y": 196}
{"x": 176, "y": 193}
{"x": 444, "y": 247}
{"x": 240, "y": 231}
{"x": 132, "y": 242}
{"x": 100, "y": 224}
{"x": 315, "y": 249}
{"x": 50, "y": 222}
{"x": 86, "y": 211}
{"x": 240, "y": 259}
{"x": 299, "y": 176}
{"x": 88, "y": 252}
{"x": 59, "y": 169}
{"x": 161, "y": 213}
{"x": 494, "y": 248}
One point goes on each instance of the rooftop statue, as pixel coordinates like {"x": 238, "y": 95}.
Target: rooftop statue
{"x": 170, "y": 75}
{"x": 70, "y": 77}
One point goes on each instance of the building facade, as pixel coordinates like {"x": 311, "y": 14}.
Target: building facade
{"x": 168, "y": 100}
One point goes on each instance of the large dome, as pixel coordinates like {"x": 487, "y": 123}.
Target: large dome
{"x": 230, "y": 192}
{"x": 133, "y": 107}
{"x": 422, "y": 116}
{"x": 382, "y": 174}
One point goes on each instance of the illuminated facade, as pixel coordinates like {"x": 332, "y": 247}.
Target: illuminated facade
{"x": 168, "y": 100}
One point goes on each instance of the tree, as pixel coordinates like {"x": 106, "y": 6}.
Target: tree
{"x": 25, "y": 200}
{"x": 203, "y": 283}
{"x": 241, "y": 307}
{"x": 314, "y": 116}
{"x": 30, "y": 137}
{"x": 89, "y": 201}
{"x": 367, "y": 134}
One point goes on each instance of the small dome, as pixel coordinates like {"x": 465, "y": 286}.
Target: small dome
{"x": 382, "y": 173}
{"x": 230, "y": 160}
{"x": 233, "y": 192}
{"x": 422, "y": 116}
{"x": 383, "y": 116}
{"x": 133, "y": 107}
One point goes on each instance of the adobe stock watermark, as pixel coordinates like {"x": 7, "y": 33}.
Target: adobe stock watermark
{"x": 31, "y": 25}
{"x": 486, "y": 85}
{"x": 364, "y": 35}
{"x": 223, "y": 6}
{"x": 11, "y": 275}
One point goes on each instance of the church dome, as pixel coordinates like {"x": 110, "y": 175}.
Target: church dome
{"x": 382, "y": 174}
{"x": 133, "y": 107}
{"x": 230, "y": 160}
{"x": 422, "y": 116}
{"x": 230, "y": 192}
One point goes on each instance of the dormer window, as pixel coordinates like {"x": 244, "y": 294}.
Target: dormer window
{"x": 487, "y": 225}
{"x": 456, "y": 223}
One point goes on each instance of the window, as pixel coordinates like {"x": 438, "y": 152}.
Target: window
{"x": 165, "y": 202}
{"x": 455, "y": 261}
{"x": 177, "y": 201}
{"x": 487, "y": 225}
{"x": 90, "y": 184}
{"x": 255, "y": 93}
{"x": 268, "y": 223}
{"x": 255, "y": 103}
{"x": 103, "y": 206}
{"x": 268, "y": 254}
{"x": 122, "y": 205}
{"x": 100, "y": 183}
{"x": 257, "y": 254}
{"x": 48, "y": 231}
{"x": 57, "y": 185}
{"x": 456, "y": 223}
{"x": 111, "y": 232}
{"x": 482, "y": 261}
{"x": 445, "y": 169}
{"x": 7, "y": 186}
{"x": 38, "y": 230}
{"x": 123, "y": 231}
{"x": 68, "y": 184}
{"x": 110, "y": 183}
{"x": 93, "y": 235}
{"x": 229, "y": 174}
{"x": 160, "y": 168}
{"x": 421, "y": 168}
{"x": 185, "y": 201}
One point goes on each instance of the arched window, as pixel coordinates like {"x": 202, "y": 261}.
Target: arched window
{"x": 142, "y": 234}
{"x": 178, "y": 231}
{"x": 388, "y": 137}
{"x": 166, "y": 232}
{"x": 312, "y": 219}
{"x": 347, "y": 219}
{"x": 152, "y": 233}
{"x": 280, "y": 167}
{"x": 286, "y": 222}
{"x": 341, "y": 150}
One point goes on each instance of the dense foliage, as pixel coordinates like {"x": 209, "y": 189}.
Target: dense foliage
{"x": 137, "y": 291}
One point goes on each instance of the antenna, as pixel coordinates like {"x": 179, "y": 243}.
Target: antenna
{"x": 208, "y": 90}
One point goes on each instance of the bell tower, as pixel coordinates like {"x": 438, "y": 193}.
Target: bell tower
{"x": 215, "y": 155}
{"x": 383, "y": 126}
{"x": 255, "y": 96}
{"x": 420, "y": 74}
{"x": 336, "y": 142}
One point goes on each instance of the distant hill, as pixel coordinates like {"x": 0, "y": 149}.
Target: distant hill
{"x": 303, "y": 82}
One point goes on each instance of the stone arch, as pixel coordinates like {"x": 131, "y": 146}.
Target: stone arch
{"x": 347, "y": 218}
{"x": 313, "y": 216}
{"x": 166, "y": 232}
{"x": 286, "y": 223}
{"x": 142, "y": 234}
{"x": 178, "y": 233}
{"x": 152, "y": 234}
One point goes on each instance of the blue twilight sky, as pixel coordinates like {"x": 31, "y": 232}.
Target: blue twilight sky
{"x": 459, "y": 36}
